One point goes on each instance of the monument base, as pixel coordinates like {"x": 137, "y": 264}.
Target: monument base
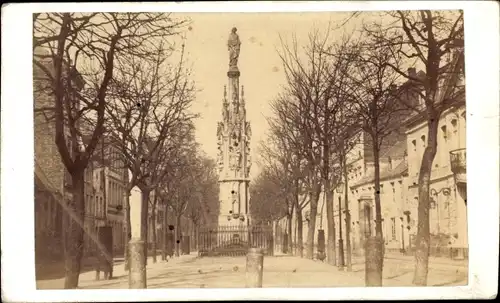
{"x": 230, "y": 220}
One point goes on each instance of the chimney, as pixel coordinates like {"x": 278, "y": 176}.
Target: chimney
{"x": 389, "y": 160}
{"x": 412, "y": 72}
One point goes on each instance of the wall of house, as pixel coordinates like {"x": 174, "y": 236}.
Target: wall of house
{"x": 48, "y": 202}
{"x": 392, "y": 193}
{"x": 448, "y": 214}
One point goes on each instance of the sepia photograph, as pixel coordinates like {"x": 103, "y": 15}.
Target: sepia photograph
{"x": 315, "y": 149}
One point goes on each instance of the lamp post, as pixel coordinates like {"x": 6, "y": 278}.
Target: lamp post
{"x": 341, "y": 241}
{"x": 402, "y": 236}
{"x": 407, "y": 213}
{"x": 321, "y": 232}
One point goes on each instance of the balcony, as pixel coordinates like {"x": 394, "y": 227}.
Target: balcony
{"x": 459, "y": 165}
{"x": 459, "y": 168}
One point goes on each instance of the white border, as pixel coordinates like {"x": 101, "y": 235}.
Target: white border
{"x": 482, "y": 67}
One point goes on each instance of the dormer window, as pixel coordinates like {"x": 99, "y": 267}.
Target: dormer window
{"x": 444, "y": 132}
{"x": 420, "y": 100}
{"x": 454, "y": 123}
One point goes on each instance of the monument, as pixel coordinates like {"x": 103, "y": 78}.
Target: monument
{"x": 233, "y": 139}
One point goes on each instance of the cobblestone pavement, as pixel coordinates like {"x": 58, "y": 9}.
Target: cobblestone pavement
{"x": 281, "y": 271}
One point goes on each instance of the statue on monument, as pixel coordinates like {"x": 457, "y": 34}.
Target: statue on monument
{"x": 233, "y": 45}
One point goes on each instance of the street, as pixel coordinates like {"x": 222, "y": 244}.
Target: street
{"x": 190, "y": 271}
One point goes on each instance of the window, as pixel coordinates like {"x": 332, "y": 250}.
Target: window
{"x": 414, "y": 143}
{"x": 393, "y": 228}
{"x": 423, "y": 141}
{"x": 368, "y": 221}
{"x": 420, "y": 100}
{"x": 87, "y": 205}
{"x": 443, "y": 149}
{"x": 444, "y": 133}
{"x": 454, "y": 123}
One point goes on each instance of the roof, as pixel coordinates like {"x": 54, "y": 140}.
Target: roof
{"x": 455, "y": 66}
{"x": 385, "y": 174}
{"x": 398, "y": 150}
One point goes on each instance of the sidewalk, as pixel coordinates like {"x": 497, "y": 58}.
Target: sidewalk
{"x": 120, "y": 275}
{"x": 432, "y": 260}
{"x": 190, "y": 271}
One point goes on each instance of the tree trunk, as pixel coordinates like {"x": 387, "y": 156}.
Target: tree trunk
{"x": 73, "y": 231}
{"x": 289, "y": 232}
{"x": 423, "y": 229}
{"x": 348, "y": 217}
{"x": 164, "y": 235}
{"x": 144, "y": 221}
{"x": 314, "y": 196}
{"x": 300, "y": 228}
{"x": 378, "y": 252}
{"x": 378, "y": 209}
{"x": 331, "y": 253}
{"x": 177, "y": 235}
{"x": 128, "y": 234}
{"x": 153, "y": 216}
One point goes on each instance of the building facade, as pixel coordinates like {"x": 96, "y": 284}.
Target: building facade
{"x": 52, "y": 180}
{"x": 448, "y": 213}
{"x": 392, "y": 192}
{"x": 400, "y": 162}
{"x": 103, "y": 190}
{"x": 111, "y": 177}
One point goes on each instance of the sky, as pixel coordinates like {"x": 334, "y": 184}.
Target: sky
{"x": 259, "y": 63}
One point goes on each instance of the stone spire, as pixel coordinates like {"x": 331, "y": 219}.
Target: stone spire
{"x": 233, "y": 144}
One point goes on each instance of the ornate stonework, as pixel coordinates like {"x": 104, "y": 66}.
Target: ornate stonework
{"x": 233, "y": 143}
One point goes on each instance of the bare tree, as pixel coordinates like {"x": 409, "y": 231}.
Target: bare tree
{"x": 148, "y": 111}
{"x": 434, "y": 40}
{"x": 204, "y": 193}
{"x": 372, "y": 91}
{"x": 71, "y": 49}
{"x": 195, "y": 201}
{"x": 267, "y": 198}
{"x": 315, "y": 84}
{"x": 276, "y": 160}
{"x": 181, "y": 182}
